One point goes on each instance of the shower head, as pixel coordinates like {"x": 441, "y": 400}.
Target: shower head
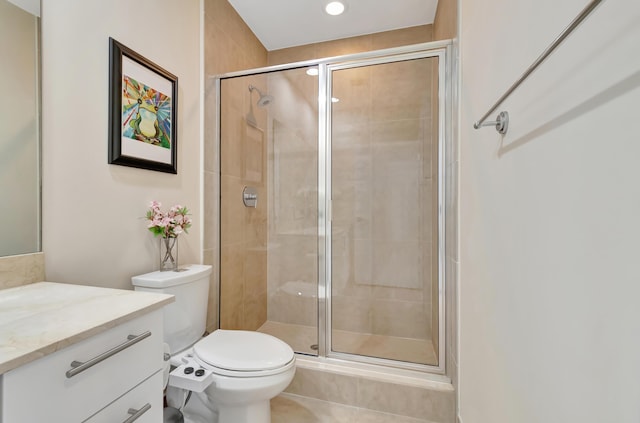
{"x": 264, "y": 100}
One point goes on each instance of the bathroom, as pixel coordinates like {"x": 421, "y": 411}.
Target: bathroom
{"x": 546, "y": 289}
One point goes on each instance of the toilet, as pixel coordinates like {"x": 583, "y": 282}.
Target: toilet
{"x": 238, "y": 371}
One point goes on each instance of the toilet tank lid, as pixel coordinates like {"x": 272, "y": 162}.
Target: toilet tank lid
{"x": 185, "y": 274}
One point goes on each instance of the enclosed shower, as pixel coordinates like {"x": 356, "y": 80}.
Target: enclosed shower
{"x": 332, "y": 223}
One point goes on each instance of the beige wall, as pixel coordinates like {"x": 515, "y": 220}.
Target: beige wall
{"x": 549, "y": 228}
{"x": 380, "y": 40}
{"x": 445, "y": 24}
{"x": 229, "y": 43}
{"x": 231, "y": 46}
{"x": 93, "y": 231}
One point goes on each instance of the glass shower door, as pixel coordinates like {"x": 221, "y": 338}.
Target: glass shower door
{"x": 384, "y": 210}
{"x": 269, "y": 250}
{"x": 341, "y": 256}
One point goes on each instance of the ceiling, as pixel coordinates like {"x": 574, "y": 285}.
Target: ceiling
{"x": 288, "y": 23}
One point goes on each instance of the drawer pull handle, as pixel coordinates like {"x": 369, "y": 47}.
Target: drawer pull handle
{"x": 79, "y": 366}
{"x": 136, "y": 414}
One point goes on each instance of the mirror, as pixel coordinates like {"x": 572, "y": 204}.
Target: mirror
{"x": 20, "y": 126}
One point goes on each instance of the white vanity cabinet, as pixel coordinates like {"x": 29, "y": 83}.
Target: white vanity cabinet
{"x": 120, "y": 380}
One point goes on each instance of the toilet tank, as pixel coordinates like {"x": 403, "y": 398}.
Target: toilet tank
{"x": 185, "y": 318}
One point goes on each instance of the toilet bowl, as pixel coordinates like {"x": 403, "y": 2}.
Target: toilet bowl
{"x": 247, "y": 370}
{"x": 228, "y": 376}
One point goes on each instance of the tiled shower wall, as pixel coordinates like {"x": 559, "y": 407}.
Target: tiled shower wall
{"x": 293, "y": 199}
{"x": 231, "y": 46}
{"x": 382, "y": 185}
{"x": 364, "y": 43}
{"x": 243, "y": 271}
{"x": 243, "y": 231}
{"x": 367, "y": 287}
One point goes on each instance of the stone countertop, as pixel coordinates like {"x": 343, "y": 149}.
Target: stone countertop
{"x": 41, "y": 318}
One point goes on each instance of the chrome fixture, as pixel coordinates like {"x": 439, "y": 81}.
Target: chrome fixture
{"x": 502, "y": 121}
{"x": 263, "y": 101}
{"x": 250, "y": 197}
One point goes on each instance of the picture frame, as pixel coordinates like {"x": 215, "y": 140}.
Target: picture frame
{"x": 143, "y": 110}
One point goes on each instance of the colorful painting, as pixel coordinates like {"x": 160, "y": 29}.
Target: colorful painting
{"x": 143, "y": 112}
{"x": 146, "y": 113}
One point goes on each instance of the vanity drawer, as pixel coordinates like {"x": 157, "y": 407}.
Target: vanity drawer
{"x": 73, "y": 399}
{"x": 146, "y": 398}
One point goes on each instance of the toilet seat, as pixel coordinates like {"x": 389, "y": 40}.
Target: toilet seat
{"x": 244, "y": 374}
{"x": 237, "y": 353}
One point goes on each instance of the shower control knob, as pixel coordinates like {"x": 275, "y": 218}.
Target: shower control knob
{"x": 188, "y": 370}
{"x": 250, "y": 197}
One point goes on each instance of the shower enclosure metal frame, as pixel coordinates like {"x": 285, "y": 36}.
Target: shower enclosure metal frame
{"x": 437, "y": 49}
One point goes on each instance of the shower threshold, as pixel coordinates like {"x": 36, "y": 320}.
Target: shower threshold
{"x": 302, "y": 339}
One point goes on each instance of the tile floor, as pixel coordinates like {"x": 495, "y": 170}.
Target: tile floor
{"x": 288, "y": 408}
{"x": 300, "y": 338}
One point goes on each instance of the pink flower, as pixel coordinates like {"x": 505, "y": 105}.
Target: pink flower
{"x": 169, "y": 224}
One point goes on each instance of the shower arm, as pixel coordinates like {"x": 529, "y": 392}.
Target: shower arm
{"x": 252, "y": 87}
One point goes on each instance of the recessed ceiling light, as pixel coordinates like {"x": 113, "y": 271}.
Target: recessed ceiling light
{"x": 334, "y": 8}
{"x": 312, "y": 71}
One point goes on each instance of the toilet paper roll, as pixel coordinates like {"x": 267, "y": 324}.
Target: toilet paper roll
{"x": 167, "y": 363}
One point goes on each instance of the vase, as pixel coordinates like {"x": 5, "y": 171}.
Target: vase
{"x": 168, "y": 254}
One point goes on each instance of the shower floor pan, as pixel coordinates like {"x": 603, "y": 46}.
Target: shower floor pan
{"x": 303, "y": 339}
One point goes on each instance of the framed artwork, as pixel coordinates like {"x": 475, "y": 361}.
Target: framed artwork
{"x": 143, "y": 101}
